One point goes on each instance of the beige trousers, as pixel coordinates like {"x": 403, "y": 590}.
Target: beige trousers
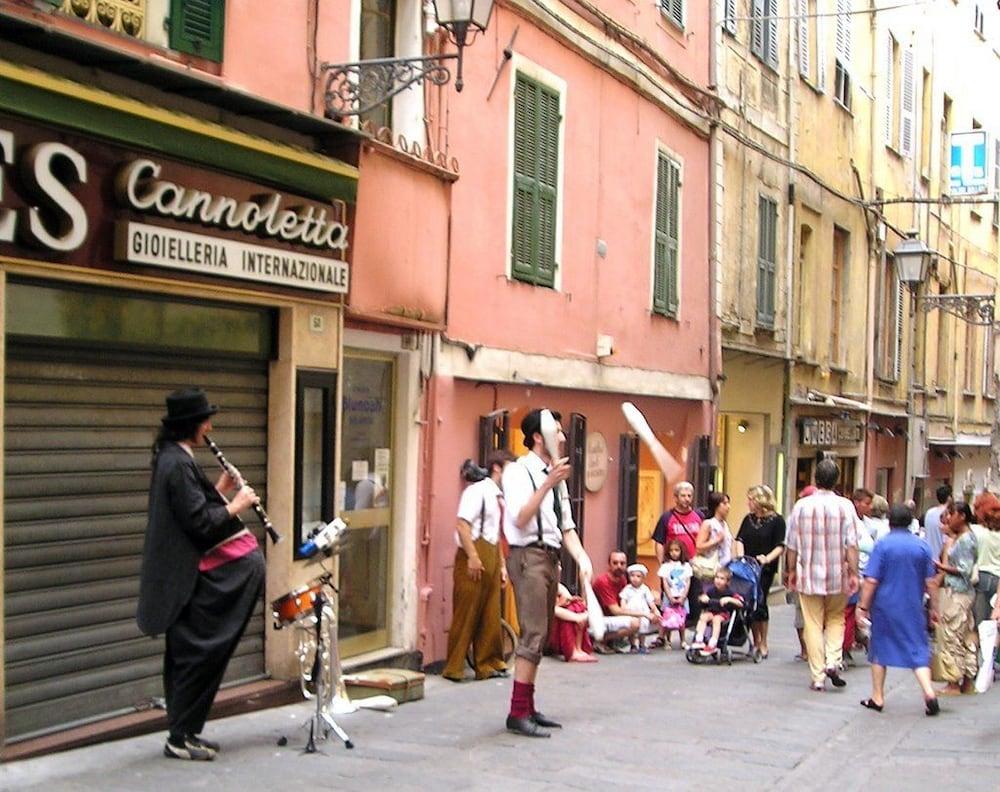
{"x": 823, "y": 632}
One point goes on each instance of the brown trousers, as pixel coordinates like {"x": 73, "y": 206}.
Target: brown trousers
{"x": 476, "y": 615}
{"x": 534, "y": 573}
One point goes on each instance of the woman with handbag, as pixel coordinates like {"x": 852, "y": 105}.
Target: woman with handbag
{"x": 956, "y": 630}
{"x": 762, "y": 534}
{"x": 714, "y": 546}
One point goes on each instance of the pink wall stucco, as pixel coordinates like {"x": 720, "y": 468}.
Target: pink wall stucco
{"x": 609, "y": 156}
{"x": 458, "y": 405}
{"x": 400, "y": 257}
{"x": 882, "y": 451}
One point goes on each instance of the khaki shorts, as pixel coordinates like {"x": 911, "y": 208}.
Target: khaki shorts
{"x": 534, "y": 573}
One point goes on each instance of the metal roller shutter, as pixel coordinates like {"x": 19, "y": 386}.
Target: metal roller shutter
{"x": 79, "y": 425}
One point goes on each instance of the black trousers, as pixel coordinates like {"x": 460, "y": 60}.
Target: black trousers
{"x": 204, "y": 637}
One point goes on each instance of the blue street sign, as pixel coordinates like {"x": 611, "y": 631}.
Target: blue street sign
{"x": 968, "y": 172}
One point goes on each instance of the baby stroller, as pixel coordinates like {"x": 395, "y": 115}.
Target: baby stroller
{"x": 737, "y": 639}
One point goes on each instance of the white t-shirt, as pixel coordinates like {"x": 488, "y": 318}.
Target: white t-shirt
{"x": 677, "y": 574}
{"x": 520, "y": 480}
{"x": 638, "y": 599}
{"x": 479, "y": 506}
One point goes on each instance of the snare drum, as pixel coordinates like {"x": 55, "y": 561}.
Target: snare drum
{"x": 296, "y": 604}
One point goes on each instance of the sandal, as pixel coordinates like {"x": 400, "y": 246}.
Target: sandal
{"x": 931, "y": 707}
{"x": 868, "y": 703}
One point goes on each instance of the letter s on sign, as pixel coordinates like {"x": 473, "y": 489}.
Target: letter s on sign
{"x": 8, "y": 220}
{"x": 73, "y": 225}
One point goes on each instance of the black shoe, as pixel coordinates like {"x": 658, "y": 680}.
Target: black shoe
{"x": 837, "y": 680}
{"x": 548, "y": 723}
{"x": 184, "y": 749}
{"x": 201, "y": 742}
{"x": 525, "y": 727}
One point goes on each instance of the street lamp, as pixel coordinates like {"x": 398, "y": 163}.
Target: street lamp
{"x": 356, "y": 88}
{"x": 912, "y": 258}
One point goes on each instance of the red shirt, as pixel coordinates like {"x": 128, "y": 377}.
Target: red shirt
{"x": 607, "y": 589}
{"x": 683, "y": 527}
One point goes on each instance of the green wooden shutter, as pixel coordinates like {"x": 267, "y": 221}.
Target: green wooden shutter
{"x": 536, "y": 178}
{"x": 767, "y": 230}
{"x": 196, "y": 27}
{"x": 667, "y": 237}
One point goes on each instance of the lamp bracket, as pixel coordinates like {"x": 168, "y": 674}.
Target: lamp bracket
{"x": 975, "y": 309}
{"x": 355, "y": 88}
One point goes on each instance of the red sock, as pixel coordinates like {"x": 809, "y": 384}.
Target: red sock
{"x": 521, "y": 700}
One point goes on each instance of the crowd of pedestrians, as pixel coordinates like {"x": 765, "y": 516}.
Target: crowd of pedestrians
{"x": 860, "y": 573}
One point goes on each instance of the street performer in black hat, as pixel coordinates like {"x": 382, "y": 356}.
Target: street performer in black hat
{"x": 202, "y": 572}
{"x": 537, "y": 524}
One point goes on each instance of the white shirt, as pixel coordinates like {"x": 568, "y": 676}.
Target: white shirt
{"x": 479, "y": 506}
{"x": 518, "y": 489}
{"x": 637, "y": 599}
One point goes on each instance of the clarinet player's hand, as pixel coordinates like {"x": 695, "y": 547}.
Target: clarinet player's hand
{"x": 245, "y": 498}
{"x": 226, "y": 483}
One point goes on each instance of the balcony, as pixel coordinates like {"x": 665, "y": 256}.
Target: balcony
{"x": 127, "y": 17}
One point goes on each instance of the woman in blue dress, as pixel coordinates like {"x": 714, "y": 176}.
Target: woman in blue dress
{"x": 899, "y": 571}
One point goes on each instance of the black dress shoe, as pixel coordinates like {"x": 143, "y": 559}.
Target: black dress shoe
{"x": 525, "y": 727}
{"x": 548, "y": 723}
{"x": 836, "y": 678}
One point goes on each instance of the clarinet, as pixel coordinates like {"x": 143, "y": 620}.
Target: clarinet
{"x": 238, "y": 478}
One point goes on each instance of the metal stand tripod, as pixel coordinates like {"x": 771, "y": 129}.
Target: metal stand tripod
{"x": 325, "y": 672}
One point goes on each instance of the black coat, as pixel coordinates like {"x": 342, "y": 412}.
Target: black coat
{"x": 187, "y": 517}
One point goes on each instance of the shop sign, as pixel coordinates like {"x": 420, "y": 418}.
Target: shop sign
{"x": 596, "y": 472}
{"x": 830, "y": 432}
{"x": 968, "y": 173}
{"x": 54, "y": 200}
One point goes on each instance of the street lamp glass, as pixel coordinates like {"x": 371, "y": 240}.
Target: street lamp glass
{"x": 456, "y": 16}
{"x": 912, "y": 257}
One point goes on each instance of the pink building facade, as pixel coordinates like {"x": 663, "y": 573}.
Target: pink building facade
{"x": 542, "y": 238}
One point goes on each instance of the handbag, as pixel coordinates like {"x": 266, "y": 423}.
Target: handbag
{"x": 704, "y": 567}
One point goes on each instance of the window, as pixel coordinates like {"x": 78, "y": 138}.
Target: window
{"x": 767, "y": 236}
{"x": 907, "y": 104}
{"x": 996, "y": 184}
{"x": 890, "y": 327}
{"x": 891, "y": 89}
{"x": 803, "y": 323}
{"x": 989, "y": 363}
{"x": 674, "y": 11}
{"x": 196, "y": 27}
{"x": 378, "y": 40}
{"x": 838, "y": 282}
{"x": 536, "y": 172}
{"x": 971, "y": 342}
{"x": 666, "y": 244}
{"x": 764, "y": 31}
{"x": 729, "y": 16}
{"x": 842, "y": 79}
{"x": 925, "y": 125}
{"x": 810, "y": 31}
{"x": 315, "y": 419}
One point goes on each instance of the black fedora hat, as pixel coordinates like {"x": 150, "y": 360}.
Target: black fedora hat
{"x": 189, "y": 404}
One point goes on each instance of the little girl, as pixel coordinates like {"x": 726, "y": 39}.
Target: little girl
{"x": 675, "y": 580}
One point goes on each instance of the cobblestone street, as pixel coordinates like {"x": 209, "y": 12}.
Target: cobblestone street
{"x": 630, "y": 722}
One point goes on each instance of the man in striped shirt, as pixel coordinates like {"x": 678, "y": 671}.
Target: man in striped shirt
{"x": 821, "y": 563}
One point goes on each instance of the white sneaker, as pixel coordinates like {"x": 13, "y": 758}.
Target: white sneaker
{"x": 187, "y": 750}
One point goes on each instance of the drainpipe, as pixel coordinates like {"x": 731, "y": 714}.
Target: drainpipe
{"x": 714, "y": 334}
{"x": 787, "y": 431}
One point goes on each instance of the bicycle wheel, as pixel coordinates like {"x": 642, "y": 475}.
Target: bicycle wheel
{"x": 508, "y": 643}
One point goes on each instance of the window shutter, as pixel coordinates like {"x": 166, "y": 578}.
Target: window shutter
{"x": 771, "y": 39}
{"x": 907, "y": 114}
{"x": 767, "y": 232}
{"x": 804, "y": 38}
{"x": 536, "y": 176}
{"x": 729, "y": 16}
{"x": 889, "y": 86}
{"x": 675, "y": 10}
{"x": 666, "y": 237}
{"x": 196, "y": 27}
{"x": 821, "y": 64}
{"x": 844, "y": 23}
{"x": 757, "y": 29}
{"x": 897, "y": 352}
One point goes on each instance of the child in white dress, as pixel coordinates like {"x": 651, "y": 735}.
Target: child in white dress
{"x": 637, "y": 597}
{"x": 675, "y": 581}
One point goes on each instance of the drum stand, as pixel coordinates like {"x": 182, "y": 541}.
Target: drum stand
{"x": 325, "y": 675}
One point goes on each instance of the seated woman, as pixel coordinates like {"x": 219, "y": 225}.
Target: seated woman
{"x": 568, "y": 635}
